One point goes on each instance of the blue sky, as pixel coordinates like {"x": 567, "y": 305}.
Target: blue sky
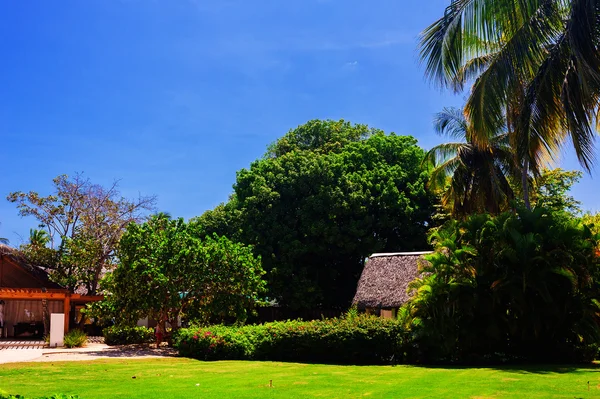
{"x": 172, "y": 97}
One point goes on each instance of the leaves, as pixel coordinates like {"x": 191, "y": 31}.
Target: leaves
{"x": 167, "y": 270}
{"x": 518, "y": 284}
{"x": 536, "y": 59}
{"x": 82, "y": 223}
{"x": 326, "y": 196}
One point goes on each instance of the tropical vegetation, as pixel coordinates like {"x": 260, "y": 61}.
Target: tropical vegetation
{"x": 470, "y": 177}
{"x": 167, "y": 271}
{"x": 521, "y": 285}
{"x": 325, "y": 196}
{"x": 533, "y": 65}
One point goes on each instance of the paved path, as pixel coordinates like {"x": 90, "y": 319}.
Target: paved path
{"x": 19, "y": 355}
{"x": 91, "y": 352}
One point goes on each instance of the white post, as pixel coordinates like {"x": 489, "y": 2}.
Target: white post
{"x": 57, "y": 329}
{"x": 143, "y": 322}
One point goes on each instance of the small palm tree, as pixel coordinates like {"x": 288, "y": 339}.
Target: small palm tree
{"x": 38, "y": 238}
{"x": 471, "y": 178}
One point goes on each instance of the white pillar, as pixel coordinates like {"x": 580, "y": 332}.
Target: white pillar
{"x": 57, "y": 329}
{"x": 143, "y": 322}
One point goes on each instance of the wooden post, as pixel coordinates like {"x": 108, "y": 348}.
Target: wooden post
{"x": 67, "y": 311}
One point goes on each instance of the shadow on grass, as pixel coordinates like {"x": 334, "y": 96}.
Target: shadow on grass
{"x": 527, "y": 368}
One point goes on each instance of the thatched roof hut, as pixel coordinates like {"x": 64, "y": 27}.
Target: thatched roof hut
{"x": 385, "y": 278}
{"x": 17, "y": 272}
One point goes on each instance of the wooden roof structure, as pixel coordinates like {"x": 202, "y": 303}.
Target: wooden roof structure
{"x": 385, "y": 278}
{"x": 20, "y": 280}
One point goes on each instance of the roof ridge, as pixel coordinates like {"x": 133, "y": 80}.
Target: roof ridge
{"x": 401, "y": 254}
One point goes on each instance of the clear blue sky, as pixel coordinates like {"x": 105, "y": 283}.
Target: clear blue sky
{"x": 174, "y": 96}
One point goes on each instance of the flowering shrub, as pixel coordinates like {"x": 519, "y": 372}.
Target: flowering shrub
{"x": 352, "y": 340}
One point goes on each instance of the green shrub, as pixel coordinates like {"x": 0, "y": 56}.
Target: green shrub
{"x": 520, "y": 286}
{"x": 75, "y": 339}
{"x": 125, "y": 335}
{"x": 359, "y": 339}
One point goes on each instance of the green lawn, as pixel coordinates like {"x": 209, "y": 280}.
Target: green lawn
{"x": 184, "y": 378}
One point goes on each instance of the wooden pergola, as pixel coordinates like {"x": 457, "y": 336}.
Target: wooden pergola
{"x": 49, "y": 294}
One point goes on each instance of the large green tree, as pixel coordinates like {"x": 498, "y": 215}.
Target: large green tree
{"x": 166, "y": 270}
{"x": 534, "y": 64}
{"x": 325, "y": 196}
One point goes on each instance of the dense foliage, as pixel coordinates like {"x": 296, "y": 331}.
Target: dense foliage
{"x": 126, "y": 335}
{"x": 358, "y": 339}
{"x": 520, "y": 285}
{"x": 324, "y": 197}
{"x": 166, "y": 271}
{"x": 551, "y": 190}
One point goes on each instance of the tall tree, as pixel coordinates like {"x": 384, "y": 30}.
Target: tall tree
{"x": 84, "y": 222}
{"x": 313, "y": 211}
{"x": 166, "y": 270}
{"x": 471, "y": 178}
{"x": 539, "y": 57}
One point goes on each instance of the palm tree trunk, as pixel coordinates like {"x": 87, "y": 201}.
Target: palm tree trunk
{"x": 525, "y": 184}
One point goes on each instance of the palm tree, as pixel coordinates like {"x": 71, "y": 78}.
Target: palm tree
{"x": 38, "y": 238}
{"x": 539, "y": 57}
{"x": 472, "y": 178}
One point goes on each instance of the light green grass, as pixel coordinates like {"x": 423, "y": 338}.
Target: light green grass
{"x": 178, "y": 378}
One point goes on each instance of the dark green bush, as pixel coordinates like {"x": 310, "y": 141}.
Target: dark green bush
{"x": 521, "y": 286}
{"x": 352, "y": 340}
{"x": 125, "y": 335}
{"x": 75, "y": 339}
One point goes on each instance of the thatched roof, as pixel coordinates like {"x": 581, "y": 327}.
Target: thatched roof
{"x": 37, "y": 273}
{"x": 385, "y": 278}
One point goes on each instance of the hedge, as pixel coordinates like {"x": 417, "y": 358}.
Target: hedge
{"x": 123, "y": 335}
{"x": 359, "y": 339}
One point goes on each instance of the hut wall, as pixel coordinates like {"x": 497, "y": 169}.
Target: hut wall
{"x": 22, "y": 311}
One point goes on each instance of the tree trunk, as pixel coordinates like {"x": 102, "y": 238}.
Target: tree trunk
{"x": 525, "y": 184}
{"x": 45, "y": 317}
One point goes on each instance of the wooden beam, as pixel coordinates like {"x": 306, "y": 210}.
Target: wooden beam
{"x": 31, "y": 295}
{"x": 86, "y": 298}
{"x": 67, "y": 311}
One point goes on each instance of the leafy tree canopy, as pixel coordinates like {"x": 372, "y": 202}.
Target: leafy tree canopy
{"x": 328, "y": 195}
{"x": 551, "y": 190}
{"x": 165, "y": 271}
{"x": 320, "y": 136}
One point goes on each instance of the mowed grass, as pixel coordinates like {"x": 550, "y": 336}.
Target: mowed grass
{"x": 185, "y": 378}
